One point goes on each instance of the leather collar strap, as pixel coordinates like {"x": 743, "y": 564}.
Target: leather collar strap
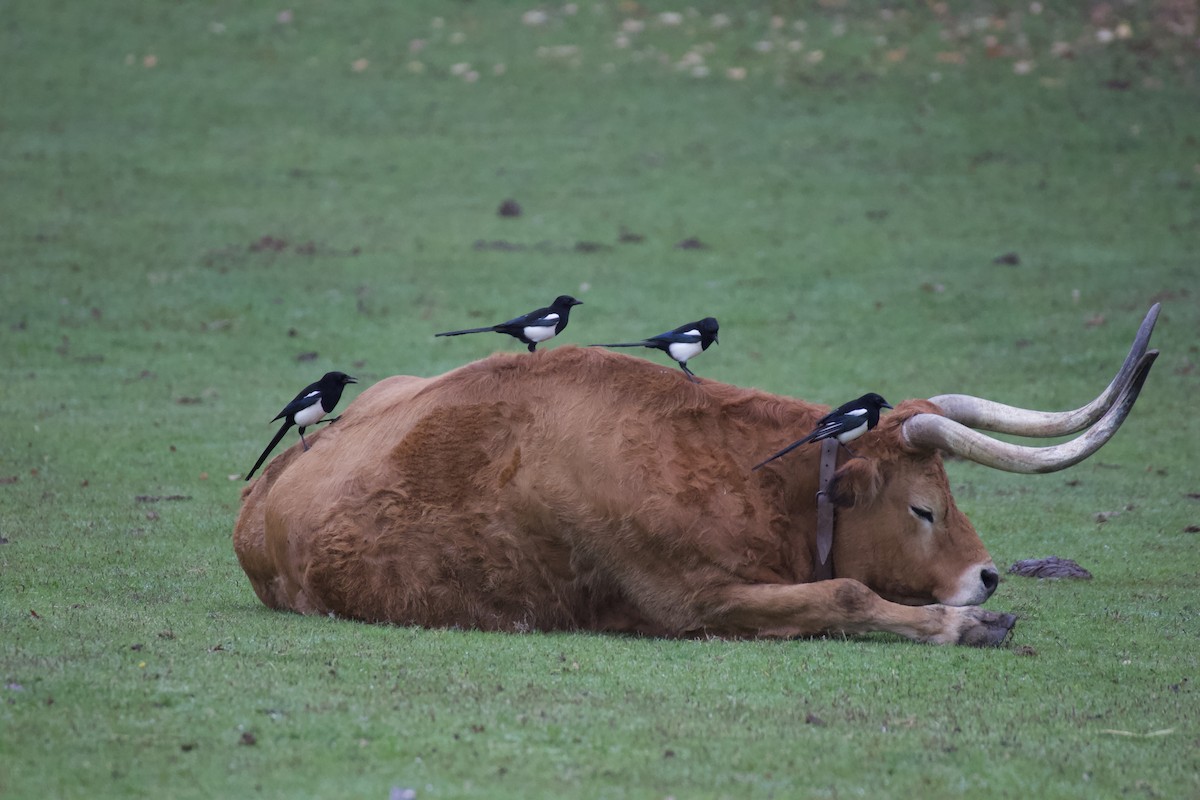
{"x": 822, "y": 563}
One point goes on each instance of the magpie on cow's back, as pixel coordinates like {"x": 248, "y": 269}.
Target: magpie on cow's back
{"x": 682, "y": 343}
{"x": 307, "y": 408}
{"x": 845, "y": 423}
{"x": 533, "y": 328}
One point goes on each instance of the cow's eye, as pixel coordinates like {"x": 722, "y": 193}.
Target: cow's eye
{"x": 923, "y": 513}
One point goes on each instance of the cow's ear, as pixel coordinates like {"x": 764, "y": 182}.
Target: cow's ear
{"x": 856, "y": 483}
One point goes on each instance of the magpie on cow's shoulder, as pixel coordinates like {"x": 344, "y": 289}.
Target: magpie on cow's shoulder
{"x": 682, "y": 343}
{"x": 845, "y": 423}
{"x": 307, "y": 408}
{"x": 533, "y": 328}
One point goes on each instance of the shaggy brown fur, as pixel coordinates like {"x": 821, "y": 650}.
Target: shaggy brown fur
{"x": 583, "y": 489}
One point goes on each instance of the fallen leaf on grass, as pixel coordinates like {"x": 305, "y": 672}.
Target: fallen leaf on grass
{"x": 8, "y": 479}
{"x": 1192, "y": 529}
{"x": 1009, "y": 259}
{"x": 268, "y": 243}
{"x": 498, "y": 244}
{"x": 248, "y": 739}
{"x": 692, "y": 243}
{"x": 1134, "y": 734}
{"x": 309, "y": 356}
{"x": 509, "y": 208}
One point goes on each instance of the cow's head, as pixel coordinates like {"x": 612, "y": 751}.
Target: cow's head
{"x": 898, "y": 529}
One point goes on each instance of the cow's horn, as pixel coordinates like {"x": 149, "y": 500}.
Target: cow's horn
{"x": 937, "y": 432}
{"x": 987, "y": 415}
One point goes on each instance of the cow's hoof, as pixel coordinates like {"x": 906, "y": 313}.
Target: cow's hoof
{"x": 989, "y": 629}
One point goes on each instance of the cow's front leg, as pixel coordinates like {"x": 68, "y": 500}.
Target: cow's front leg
{"x": 845, "y": 606}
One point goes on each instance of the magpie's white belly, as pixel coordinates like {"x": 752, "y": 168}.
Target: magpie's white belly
{"x": 682, "y": 351}
{"x": 310, "y": 415}
{"x": 539, "y": 333}
{"x": 853, "y": 433}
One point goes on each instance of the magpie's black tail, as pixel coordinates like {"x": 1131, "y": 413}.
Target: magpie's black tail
{"x": 468, "y": 330}
{"x": 785, "y": 451}
{"x": 278, "y": 435}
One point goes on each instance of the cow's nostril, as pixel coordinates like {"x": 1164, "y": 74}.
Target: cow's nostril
{"x": 990, "y": 578}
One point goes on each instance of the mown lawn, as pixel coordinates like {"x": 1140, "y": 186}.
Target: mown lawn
{"x": 206, "y": 206}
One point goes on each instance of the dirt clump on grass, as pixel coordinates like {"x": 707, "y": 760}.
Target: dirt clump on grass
{"x": 1053, "y": 567}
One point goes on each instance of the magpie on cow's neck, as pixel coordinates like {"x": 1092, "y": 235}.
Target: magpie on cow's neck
{"x": 682, "y": 343}
{"x": 845, "y": 423}
{"x": 533, "y": 328}
{"x": 307, "y": 408}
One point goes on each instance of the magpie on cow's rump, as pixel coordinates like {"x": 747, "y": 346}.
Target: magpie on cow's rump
{"x": 532, "y": 328}
{"x": 682, "y": 343}
{"x": 307, "y": 408}
{"x": 845, "y": 423}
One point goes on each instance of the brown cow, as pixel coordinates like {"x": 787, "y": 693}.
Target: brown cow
{"x": 583, "y": 489}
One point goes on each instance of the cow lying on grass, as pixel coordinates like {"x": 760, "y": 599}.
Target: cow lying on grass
{"x": 582, "y": 489}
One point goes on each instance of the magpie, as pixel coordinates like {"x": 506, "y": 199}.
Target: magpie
{"x": 845, "y": 423}
{"x": 682, "y": 343}
{"x": 314, "y": 402}
{"x": 532, "y": 328}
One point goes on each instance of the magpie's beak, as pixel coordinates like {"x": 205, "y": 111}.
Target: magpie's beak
{"x": 716, "y": 340}
{"x": 577, "y": 303}
{"x": 352, "y": 380}
{"x": 888, "y": 405}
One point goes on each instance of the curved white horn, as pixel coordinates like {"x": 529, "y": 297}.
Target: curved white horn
{"x": 988, "y": 415}
{"x": 937, "y": 432}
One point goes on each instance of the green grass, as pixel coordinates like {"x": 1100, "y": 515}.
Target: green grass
{"x": 859, "y": 197}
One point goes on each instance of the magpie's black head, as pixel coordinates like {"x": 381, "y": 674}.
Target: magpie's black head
{"x": 339, "y": 378}
{"x": 709, "y": 326}
{"x": 566, "y": 301}
{"x": 872, "y": 399}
